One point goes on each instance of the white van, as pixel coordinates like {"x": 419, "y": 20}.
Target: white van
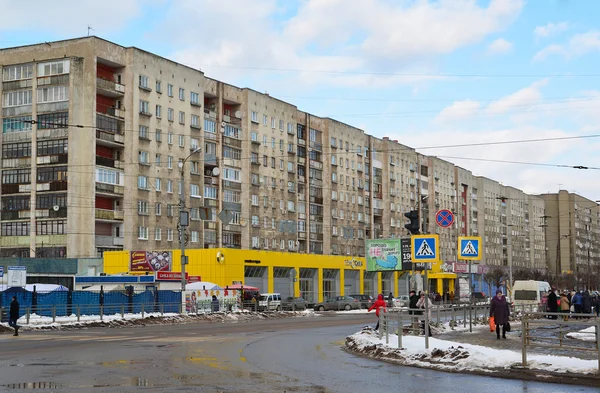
{"x": 269, "y": 302}
{"x": 530, "y": 293}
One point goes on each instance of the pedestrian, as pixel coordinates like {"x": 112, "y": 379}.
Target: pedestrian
{"x": 421, "y": 304}
{"x": 500, "y": 310}
{"x": 451, "y": 297}
{"x": 577, "y": 301}
{"x": 377, "y": 305}
{"x": 596, "y": 303}
{"x": 586, "y": 303}
{"x": 565, "y": 306}
{"x": 214, "y": 304}
{"x": 391, "y": 300}
{"x": 552, "y": 303}
{"x": 14, "y": 315}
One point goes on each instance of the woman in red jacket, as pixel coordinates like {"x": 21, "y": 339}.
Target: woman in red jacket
{"x": 377, "y": 305}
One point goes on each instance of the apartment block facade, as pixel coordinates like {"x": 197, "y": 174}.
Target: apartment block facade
{"x": 572, "y": 227}
{"x": 94, "y": 134}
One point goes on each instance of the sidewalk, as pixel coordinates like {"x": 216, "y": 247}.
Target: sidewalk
{"x": 481, "y": 335}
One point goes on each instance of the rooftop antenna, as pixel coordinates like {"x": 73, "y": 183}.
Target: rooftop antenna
{"x": 89, "y": 28}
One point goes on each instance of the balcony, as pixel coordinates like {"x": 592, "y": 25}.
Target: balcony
{"x": 109, "y": 189}
{"x": 110, "y": 139}
{"x": 109, "y": 215}
{"x": 211, "y": 136}
{"x": 104, "y": 161}
{"x": 109, "y": 241}
{"x": 377, "y": 212}
{"x": 109, "y": 88}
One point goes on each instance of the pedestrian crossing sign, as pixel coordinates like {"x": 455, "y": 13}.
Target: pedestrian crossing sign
{"x": 425, "y": 248}
{"x": 469, "y": 248}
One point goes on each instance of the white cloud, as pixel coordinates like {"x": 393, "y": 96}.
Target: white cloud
{"x": 459, "y": 110}
{"x": 577, "y": 45}
{"x": 70, "y": 17}
{"x": 500, "y": 47}
{"x": 388, "y": 38}
{"x": 551, "y": 29}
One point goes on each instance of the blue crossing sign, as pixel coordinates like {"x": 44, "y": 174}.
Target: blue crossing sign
{"x": 425, "y": 248}
{"x": 469, "y": 248}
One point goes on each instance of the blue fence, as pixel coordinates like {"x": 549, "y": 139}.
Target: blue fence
{"x": 64, "y": 303}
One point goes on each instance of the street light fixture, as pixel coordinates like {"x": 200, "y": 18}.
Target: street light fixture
{"x": 184, "y": 218}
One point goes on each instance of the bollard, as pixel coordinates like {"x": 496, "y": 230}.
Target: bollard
{"x": 142, "y": 310}
{"x": 524, "y": 342}
{"x": 101, "y": 312}
{"x": 380, "y": 326}
{"x": 598, "y": 341}
{"x": 464, "y": 316}
{"x": 438, "y": 315}
{"x": 386, "y": 318}
{"x": 53, "y": 314}
{"x": 400, "y": 328}
{"x": 78, "y": 312}
{"x": 27, "y": 316}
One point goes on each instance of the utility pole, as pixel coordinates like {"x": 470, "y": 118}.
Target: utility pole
{"x": 184, "y": 219}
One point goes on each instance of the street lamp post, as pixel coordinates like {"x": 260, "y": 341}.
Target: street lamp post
{"x": 184, "y": 218}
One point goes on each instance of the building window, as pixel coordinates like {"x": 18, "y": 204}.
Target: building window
{"x": 158, "y": 135}
{"x": 158, "y": 86}
{"x": 144, "y": 107}
{"x": 181, "y": 141}
{"x": 255, "y": 242}
{"x": 143, "y": 182}
{"x": 170, "y": 186}
{"x": 170, "y": 210}
{"x": 53, "y": 68}
{"x": 265, "y": 118}
{"x": 273, "y": 122}
{"x": 210, "y": 192}
{"x": 195, "y": 191}
{"x": 142, "y": 233}
{"x": 169, "y": 235}
{"x": 232, "y": 196}
{"x": 195, "y": 237}
{"x": 144, "y": 133}
{"x": 158, "y": 185}
{"x": 158, "y": 111}
{"x": 170, "y": 90}
{"x": 170, "y": 138}
{"x": 233, "y": 132}
{"x": 16, "y": 124}
{"x": 52, "y": 94}
{"x": 144, "y": 157}
{"x": 255, "y": 221}
{"x": 144, "y": 82}
{"x": 17, "y": 98}
{"x": 157, "y": 233}
{"x": 170, "y": 114}
{"x": 18, "y": 72}
{"x": 182, "y": 94}
{"x": 254, "y": 117}
{"x": 195, "y": 121}
{"x": 254, "y": 200}
{"x": 181, "y": 117}
{"x": 194, "y": 98}
{"x": 231, "y": 174}
{"x": 143, "y": 208}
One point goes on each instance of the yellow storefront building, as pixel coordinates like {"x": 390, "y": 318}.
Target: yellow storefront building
{"x": 314, "y": 277}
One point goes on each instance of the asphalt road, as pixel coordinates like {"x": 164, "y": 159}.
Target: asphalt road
{"x": 276, "y": 355}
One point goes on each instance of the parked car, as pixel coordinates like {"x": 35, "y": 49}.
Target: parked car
{"x": 401, "y": 301}
{"x": 294, "y": 304}
{"x": 365, "y": 300}
{"x": 338, "y": 303}
{"x": 269, "y": 302}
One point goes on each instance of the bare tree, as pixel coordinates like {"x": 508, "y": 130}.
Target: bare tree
{"x": 494, "y": 277}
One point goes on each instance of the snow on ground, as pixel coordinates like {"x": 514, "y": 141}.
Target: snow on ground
{"x": 588, "y": 334}
{"x": 454, "y": 356}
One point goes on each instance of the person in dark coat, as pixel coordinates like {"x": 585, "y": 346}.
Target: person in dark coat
{"x": 552, "y": 303}
{"x": 596, "y": 304}
{"x": 214, "y": 304}
{"x": 13, "y": 315}
{"x": 577, "y": 303}
{"x": 412, "y": 301}
{"x": 586, "y": 303}
{"x": 500, "y": 310}
{"x": 390, "y": 300}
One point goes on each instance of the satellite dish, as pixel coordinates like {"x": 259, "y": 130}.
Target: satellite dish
{"x": 55, "y": 208}
{"x": 215, "y": 171}
{"x": 297, "y": 243}
{"x": 238, "y": 114}
{"x": 223, "y": 124}
{"x": 243, "y": 222}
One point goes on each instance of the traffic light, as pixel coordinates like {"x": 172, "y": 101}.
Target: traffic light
{"x": 413, "y": 227}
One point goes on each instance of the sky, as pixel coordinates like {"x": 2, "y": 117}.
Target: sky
{"x": 429, "y": 73}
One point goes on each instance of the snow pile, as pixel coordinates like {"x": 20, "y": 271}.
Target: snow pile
{"x": 453, "y": 356}
{"x": 37, "y": 322}
{"x": 588, "y": 334}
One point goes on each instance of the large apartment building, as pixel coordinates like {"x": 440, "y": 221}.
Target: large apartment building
{"x": 94, "y": 135}
{"x": 572, "y": 227}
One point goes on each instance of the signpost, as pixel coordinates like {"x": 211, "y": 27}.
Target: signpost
{"x": 383, "y": 255}
{"x": 444, "y": 218}
{"x": 17, "y": 276}
{"x": 425, "y": 249}
{"x": 469, "y": 248}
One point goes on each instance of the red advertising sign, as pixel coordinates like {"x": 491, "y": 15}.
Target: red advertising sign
{"x": 150, "y": 261}
{"x": 170, "y": 276}
{"x": 461, "y": 267}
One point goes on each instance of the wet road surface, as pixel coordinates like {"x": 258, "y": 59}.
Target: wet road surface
{"x": 283, "y": 355}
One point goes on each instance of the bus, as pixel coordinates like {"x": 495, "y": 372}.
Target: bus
{"x": 529, "y": 294}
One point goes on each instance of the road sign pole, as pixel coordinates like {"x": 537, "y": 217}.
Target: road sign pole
{"x": 470, "y": 297}
{"x": 426, "y": 327}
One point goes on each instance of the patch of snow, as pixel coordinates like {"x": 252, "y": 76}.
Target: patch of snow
{"x": 587, "y": 334}
{"x": 454, "y": 356}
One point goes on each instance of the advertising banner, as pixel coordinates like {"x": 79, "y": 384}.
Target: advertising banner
{"x": 383, "y": 255}
{"x": 150, "y": 261}
{"x": 17, "y": 276}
